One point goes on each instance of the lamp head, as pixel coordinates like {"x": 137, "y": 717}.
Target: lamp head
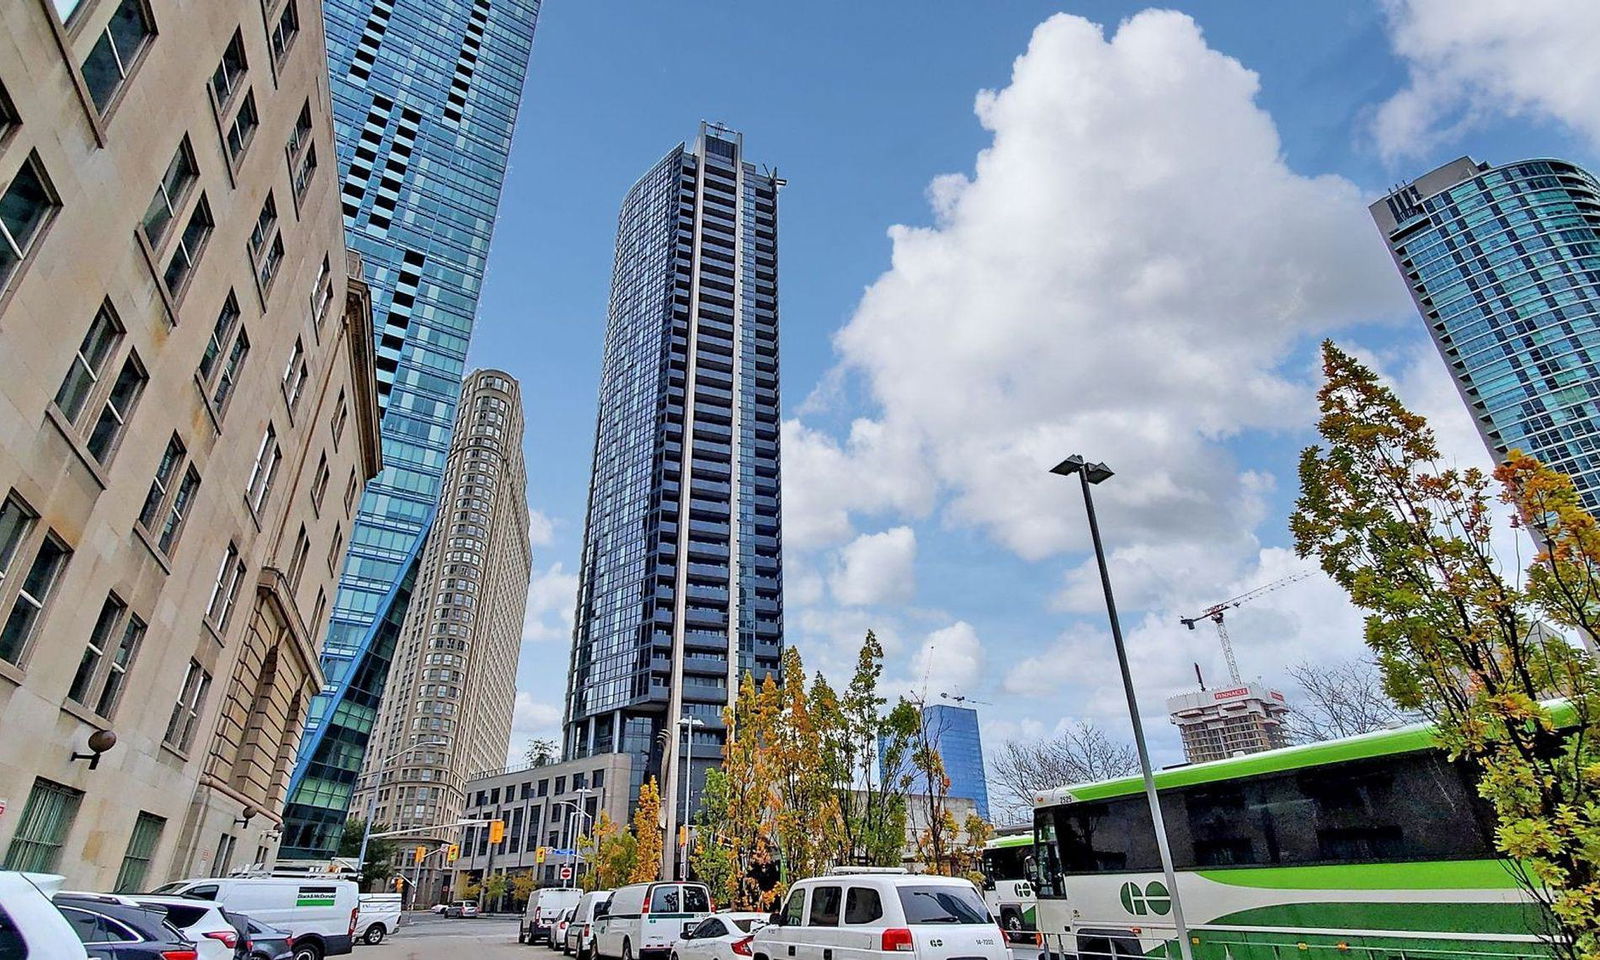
{"x": 1094, "y": 472}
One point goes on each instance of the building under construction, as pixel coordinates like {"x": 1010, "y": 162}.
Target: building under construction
{"x": 1215, "y": 724}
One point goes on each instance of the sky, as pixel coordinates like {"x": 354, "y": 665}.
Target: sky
{"x": 1015, "y": 230}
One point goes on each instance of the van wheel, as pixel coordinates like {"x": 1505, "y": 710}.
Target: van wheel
{"x": 627, "y": 950}
{"x": 374, "y": 935}
{"x": 308, "y": 951}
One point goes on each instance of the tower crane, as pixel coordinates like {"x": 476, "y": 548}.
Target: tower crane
{"x": 1217, "y": 612}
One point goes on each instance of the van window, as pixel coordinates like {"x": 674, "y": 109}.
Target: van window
{"x": 205, "y": 892}
{"x": 861, "y": 905}
{"x": 794, "y": 911}
{"x": 825, "y": 906}
{"x": 665, "y": 899}
{"x": 943, "y": 904}
{"x": 695, "y": 900}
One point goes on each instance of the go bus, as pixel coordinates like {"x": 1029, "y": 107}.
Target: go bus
{"x": 1008, "y": 886}
{"x": 1374, "y": 847}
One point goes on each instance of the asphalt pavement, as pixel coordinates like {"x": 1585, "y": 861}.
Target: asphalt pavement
{"x": 432, "y": 937}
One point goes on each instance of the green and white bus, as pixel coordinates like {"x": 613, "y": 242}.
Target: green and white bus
{"x": 1374, "y": 847}
{"x": 1008, "y": 886}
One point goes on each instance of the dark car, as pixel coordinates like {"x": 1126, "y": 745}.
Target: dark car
{"x": 113, "y": 931}
{"x": 257, "y": 941}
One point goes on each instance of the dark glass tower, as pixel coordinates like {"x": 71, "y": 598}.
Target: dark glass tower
{"x": 681, "y": 588}
{"x": 425, "y": 98}
{"x": 1504, "y": 264}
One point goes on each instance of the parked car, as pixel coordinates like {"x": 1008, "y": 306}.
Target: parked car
{"x": 201, "y": 921}
{"x": 257, "y": 941}
{"x": 439, "y": 907}
{"x": 462, "y": 908}
{"x": 30, "y": 925}
{"x": 644, "y": 920}
{"x": 903, "y": 916}
{"x": 721, "y": 936}
{"x": 544, "y": 906}
{"x": 379, "y": 917}
{"x": 579, "y": 938}
{"x": 319, "y": 913}
{"x": 558, "y": 931}
{"x": 118, "y": 931}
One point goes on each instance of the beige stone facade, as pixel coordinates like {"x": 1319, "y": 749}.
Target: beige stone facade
{"x": 187, "y": 418}
{"x": 453, "y": 685}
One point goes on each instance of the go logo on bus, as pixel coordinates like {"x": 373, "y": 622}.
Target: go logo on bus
{"x": 1151, "y": 898}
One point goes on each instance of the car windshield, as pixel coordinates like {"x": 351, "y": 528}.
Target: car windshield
{"x": 943, "y": 904}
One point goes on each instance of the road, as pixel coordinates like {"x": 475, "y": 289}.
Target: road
{"x": 429, "y": 937}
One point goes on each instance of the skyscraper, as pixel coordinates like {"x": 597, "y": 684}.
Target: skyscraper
{"x": 681, "y": 588}
{"x": 425, "y": 96}
{"x": 453, "y": 683}
{"x": 1504, "y": 264}
{"x": 953, "y": 732}
{"x": 1215, "y": 724}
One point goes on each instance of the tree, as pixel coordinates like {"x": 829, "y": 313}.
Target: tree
{"x": 494, "y": 890}
{"x": 615, "y": 851}
{"x": 1463, "y": 643}
{"x": 803, "y": 809}
{"x": 738, "y": 795}
{"x": 522, "y": 886}
{"x": 1340, "y": 699}
{"x": 937, "y": 829}
{"x": 379, "y": 865}
{"x": 967, "y": 858}
{"x": 1080, "y": 753}
{"x": 647, "y": 834}
{"x": 541, "y": 752}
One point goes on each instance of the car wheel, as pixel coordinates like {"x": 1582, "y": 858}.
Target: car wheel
{"x": 308, "y": 951}
{"x": 374, "y": 935}
{"x": 627, "y": 950}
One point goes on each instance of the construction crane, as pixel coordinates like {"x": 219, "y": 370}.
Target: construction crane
{"x": 1217, "y": 611}
{"x": 963, "y": 699}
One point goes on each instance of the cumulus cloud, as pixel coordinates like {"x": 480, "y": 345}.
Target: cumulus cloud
{"x": 541, "y": 529}
{"x": 950, "y": 660}
{"x": 535, "y": 717}
{"x": 876, "y": 568}
{"x": 1470, "y": 60}
{"x": 552, "y": 592}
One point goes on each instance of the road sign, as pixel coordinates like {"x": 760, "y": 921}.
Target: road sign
{"x": 562, "y": 852}
{"x": 565, "y": 873}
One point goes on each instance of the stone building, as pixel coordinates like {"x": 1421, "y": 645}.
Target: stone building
{"x": 187, "y": 418}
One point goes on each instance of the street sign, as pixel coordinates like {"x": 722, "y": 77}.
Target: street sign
{"x": 560, "y": 852}
{"x": 565, "y": 873}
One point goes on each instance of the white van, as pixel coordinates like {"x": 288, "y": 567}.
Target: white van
{"x": 579, "y": 940}
{"x": 644, "y": 920}
{"x": 882, "y": 914}
{"x": 320, "y": 914}
{"x": 379, "y": 917}
{"x": 544, "y": 906}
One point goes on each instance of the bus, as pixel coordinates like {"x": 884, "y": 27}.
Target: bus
{"x": 1008, "y": 885}
{"x": 1375, "y": 847}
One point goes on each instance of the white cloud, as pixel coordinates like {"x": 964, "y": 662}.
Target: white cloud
{"x": 541, "y": 529}
{"x": 950, "y": 660}
{"x": 552, "y": 593}
{"x": 535, "y": 718}
{"x": 823, "y": 481}
{"x": 1473, "y": 59}
{"x": 876, "y": 568}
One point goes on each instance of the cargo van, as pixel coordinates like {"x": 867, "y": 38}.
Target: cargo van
{"x": 379, "y": 917}
{"x": 320, "y": 914}
{"x": 580, "y": 932}
{"x": 644, "y": 920}
{"x": 544, "y": 906}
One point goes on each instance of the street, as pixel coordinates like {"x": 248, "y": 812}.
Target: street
{"x": 431, "y": 937}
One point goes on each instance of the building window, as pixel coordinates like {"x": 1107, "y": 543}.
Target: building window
{"x": 269, "y": 265}
{"x": 221, "y": 332}
{"x": 113, "y": 420}
{"x": 226, "y": 81}
{"x": 16, "y": 522}
{"x": 321, "y": 292}
{"x": 105, "y": 333}
{"x": 302, "y": 131}
{"x": 9, "y": 118}
{"x": 265, "y": 470}
{"x": 182, "y": 174}
{"x": 190, "y": 245}
{"x": 141, "y": 850}
{"x": 284, "y": 31}
{"x": 103, "y": 669}
{"x": 223, "y": 392}
{"x": 315, "y": 626}
{"x": 297, "y": 560}
{"x": 226, "y": 589}
{"x": 319, "y": 484}
{"x": 303, "y": 173}
{"x": 185, "y": 716}
{"x": 26, "y": 206}
{"x": 43, "y": 827}
{"x": 165, "y": 505}
{"x": 295, "y": 374}
{"x": 115, "y": 52}
{"x": 27, "y": 603}
{"x": 243, "y": 127}
{"x": 340, "y": 413}
{"x": 350, "y": 488}
{"x": 336, "y": 551}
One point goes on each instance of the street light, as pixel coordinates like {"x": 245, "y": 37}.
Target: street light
{"x": 1094, "y": 473}
{"x": 572, "y": 836}
{"x": 372, "y": 802}
{"x": 688, "y": 724}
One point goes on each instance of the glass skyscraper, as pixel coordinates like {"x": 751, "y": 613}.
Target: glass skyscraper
{"x": 953, "y": 732}
{"x": 1504, "y": 264}
{"x": 425, "y": 98}
{"x": 681, "y": 589}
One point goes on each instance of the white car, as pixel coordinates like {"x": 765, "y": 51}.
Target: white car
{"x": 579, "y": 940}
{"x": 643, "y": 920}
{"x": 721, "y": 936}
{"x": 214, "y": 936}
{"x": 865, "y": 913}
{"x": 30, "y": 925}
{"x": 558, "y": 930}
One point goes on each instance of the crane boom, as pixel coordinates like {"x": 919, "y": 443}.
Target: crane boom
{"x": 1217, "y": 612}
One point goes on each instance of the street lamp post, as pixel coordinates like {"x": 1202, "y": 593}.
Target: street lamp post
{"x": 1094, "y": 473}
{"x": 571, "y": 831}
{"x": 372, "y": 801}
{"x": 688, "y": 724}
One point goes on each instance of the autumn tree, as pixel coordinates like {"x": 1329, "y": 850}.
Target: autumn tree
{"x": 494, "y": 890}
{"x": 647, "y": 834}
{"x": 936, "y": 824}
{"x": 1461, "y": 641}
{"x": 1340, "y": 699}
{"x": 1079, "y": 753}
{"x": 967, "y": 856}
{"x": 522, "y": 886}
{"x": 803, "y": 808}
{"x": 615, "y": 851}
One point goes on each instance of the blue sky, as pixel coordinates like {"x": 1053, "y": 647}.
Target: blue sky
{"x": 1139, "y": 268}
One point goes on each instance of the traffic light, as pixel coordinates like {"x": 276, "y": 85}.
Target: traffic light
{"x": 419, "y": 854}
{"x": 538, "y": 856}
{"x": 455, "y": 851}
{"x": 399, "y": 884}
{"x": 683, "y": 834}
{"x": 497, "y": 831}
